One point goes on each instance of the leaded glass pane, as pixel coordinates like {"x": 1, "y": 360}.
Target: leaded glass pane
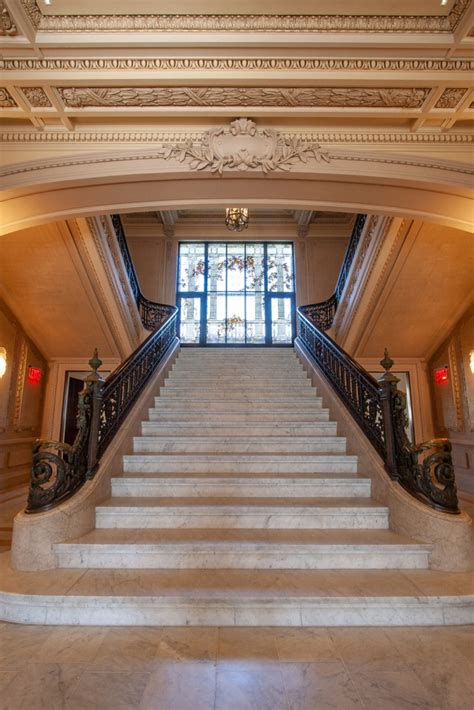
{"x": 280, "y": 267}
{"x": 190, "y": 319}
{"x": 192, "y": 267}
{"x": 281, "y": 320}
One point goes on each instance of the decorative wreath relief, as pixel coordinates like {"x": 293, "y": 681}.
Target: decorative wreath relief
{"x": 243, "y": 147}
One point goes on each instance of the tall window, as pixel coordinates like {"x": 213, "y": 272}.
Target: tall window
{"x": 233, "y": 293}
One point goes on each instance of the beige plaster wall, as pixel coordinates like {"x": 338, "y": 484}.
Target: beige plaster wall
{"x": 317, "y": 262}
{"x": 323, "y": 263}
{"x": 21, "y": 402}
{"x": 453, "y": 402}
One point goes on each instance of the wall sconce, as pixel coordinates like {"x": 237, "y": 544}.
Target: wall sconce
{"x": 471, "y": 361}
{"x": 3, "y": 361}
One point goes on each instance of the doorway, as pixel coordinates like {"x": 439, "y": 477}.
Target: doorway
{"x": 236, "y": 293}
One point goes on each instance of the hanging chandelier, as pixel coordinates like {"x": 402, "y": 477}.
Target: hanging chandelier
{"x": 236, "y": 218}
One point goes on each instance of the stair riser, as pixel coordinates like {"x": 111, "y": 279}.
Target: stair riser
{"x": 244, "y": 488}
{"x": 154, "y": 464}
{"x": 318, "y": 415}
{"x": 298, "y": 519}
{"x": 249, "y": 395}
{"x": 150, "y": 445}
{"x": 134, "y": 557}
{"x": 160, "y": 610}
{"x": 239, "y": 430}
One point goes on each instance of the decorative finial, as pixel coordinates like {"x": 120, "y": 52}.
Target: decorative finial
{"x": 387, "y": 363}
{"x": 94, "y": 377}
{"x": 95, "y": 362}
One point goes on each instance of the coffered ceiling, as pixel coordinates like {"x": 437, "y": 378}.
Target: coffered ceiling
{"x": 367, "y": 67}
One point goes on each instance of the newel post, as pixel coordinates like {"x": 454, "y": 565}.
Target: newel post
{"x": 94, "y": 383}
{"x": 387, "y": 387}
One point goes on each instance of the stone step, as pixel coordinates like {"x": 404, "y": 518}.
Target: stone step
{"x": 237, "y": 429}
{"x": 274, "y": 417}
{"x": 232, "y": 463}
{"x": 253, "y": 394}
{"x": 270, "y": 374}
{"x": 199, "y": 597}
{"x": 227, "y": 486}
{"x": 255, "y": 405}
{"x": 232, "y": 445}
{"x": 297, "y": 513}
{"x": 199, "y": 387}
{"x": 241, "y": 549}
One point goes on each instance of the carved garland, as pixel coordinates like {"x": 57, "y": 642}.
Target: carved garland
{"x": 147, "y": 96}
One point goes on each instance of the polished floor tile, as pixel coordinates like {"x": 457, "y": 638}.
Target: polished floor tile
{"x": 201, "y": 668}
{"x": 181, "y": 686}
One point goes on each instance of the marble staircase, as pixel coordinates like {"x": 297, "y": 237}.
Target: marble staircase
{"x": 240, "y": 492}
{"x": 239, "y": 505}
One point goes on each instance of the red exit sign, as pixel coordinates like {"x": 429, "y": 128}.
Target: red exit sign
{"x": 441, "y": 375}
{"x": 34, "y": 375}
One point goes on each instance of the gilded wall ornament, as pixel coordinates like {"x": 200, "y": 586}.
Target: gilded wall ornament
{"x": 78, "y": 97}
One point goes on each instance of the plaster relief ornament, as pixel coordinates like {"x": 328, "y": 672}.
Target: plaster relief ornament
{"x": 243, "y": 147}
{"x": 6, "y": 101}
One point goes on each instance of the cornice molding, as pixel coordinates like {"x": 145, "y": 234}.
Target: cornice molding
{"x": 246, "y": 23}
{"x": 200, "y": 64}
{"x": 154, "y": 137}
{"x": 149, "y": 96}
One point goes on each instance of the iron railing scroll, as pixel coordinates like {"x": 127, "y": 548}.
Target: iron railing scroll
{"x": 322, "y": 314}
{"x": 152, "y": 314}
{"x": 379, "y": 408}
{"x": 60, "y": 469}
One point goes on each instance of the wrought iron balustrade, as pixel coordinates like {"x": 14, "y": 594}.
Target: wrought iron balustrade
{"x": 379, "y": 409}
{"x": 60, "y": 469}
{"x": 152, "y": 314}
{"x": 322, "y": 314}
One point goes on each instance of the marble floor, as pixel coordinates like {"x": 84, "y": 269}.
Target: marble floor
{"x": 200, "y": 668}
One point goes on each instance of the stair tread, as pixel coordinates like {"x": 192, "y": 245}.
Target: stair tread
{"x": 185, "y": 536}
{"x": 239, "y": 502}
{"x": 245, "y": 476}
{"x": 228, "y": 585}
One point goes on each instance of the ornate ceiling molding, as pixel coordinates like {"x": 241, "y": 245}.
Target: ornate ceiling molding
{"x": 154, "y": 137}
{"x": 7, "y": 25}
{"x": 6, "y": 100}
{"x": 245, "y": 23}
{"x": 241, "y": 146}
{"x": 200, "y": 64}
{"x": 450, "y": 98}
{"x": 78, "y": 97}
{"x": 36, "y": 96}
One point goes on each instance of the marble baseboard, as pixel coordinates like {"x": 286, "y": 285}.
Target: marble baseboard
{"x": 165, "y": 611}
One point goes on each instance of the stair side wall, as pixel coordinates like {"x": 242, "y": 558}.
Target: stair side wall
{"x": 449, "y": 535}
{"x": 35, "y": 534}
